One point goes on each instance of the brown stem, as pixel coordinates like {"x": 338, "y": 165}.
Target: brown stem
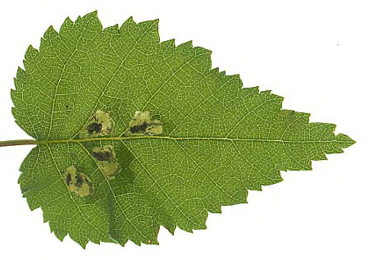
{"x": 17, "y": 142}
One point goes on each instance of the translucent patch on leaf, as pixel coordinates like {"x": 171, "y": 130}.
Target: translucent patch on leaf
{"x": 100, "y": 124}
{"x": 143, "y": 124}
{"x": 78, "y": 182}
{"x": 106, "y": 159}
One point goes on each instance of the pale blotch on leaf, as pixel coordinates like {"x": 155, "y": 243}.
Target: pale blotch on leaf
{"x": 143, "y": 124}
{"x": 100, "y": 124}
{"x": 78, "y": 182}
{"x": 106, "y": 159}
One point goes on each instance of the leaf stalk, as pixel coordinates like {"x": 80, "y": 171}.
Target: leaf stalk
{"x": 18, "y": 142}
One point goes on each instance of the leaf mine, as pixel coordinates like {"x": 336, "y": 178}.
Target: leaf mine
{"x": 78, "y": 182}
{"x": 143, "y": 124}
{"x": 106, "y": 159}
{"x": 101, "y": 124}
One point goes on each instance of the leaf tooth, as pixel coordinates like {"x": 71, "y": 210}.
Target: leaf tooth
{"x": 150, "y": 28}
{"x": 227, "y": 80}
{"x": 130, "y": 20}
{"x": 215, "y": 70}
{"x": 306, "y": 116}
{"x": 235, "y": 76}
{"x": 266, "y": 92}
{"x": 88, "y": 16}
{"x": 50, "y": 33}
{"x": 66, "y": 26}
{"x": 112, "y": 30}
{"x": 183, "y": 47}
{"x": 93, "y": 13}
{"x": 128, "y": 26}
{"x": 202, "y": 50}
{"x": 90, "y": 21}
{"x": 14, "y": 109}
{"x": 170, "y": 227}
{"x": 78, "y": 20}
{"x": 319, "y": 157}
{"x": 49, "y": 37}
{"x": 254, "y": 90}
{"x": 12, "y": 94}
{"x": 168, "y": 45}
{"x": 136, "y": 242}
{"x": 121, "y": 240}
{"x": 149, "y": 23}
{"x": 82, "y": 241}
{"x": 59, "y": 233}
{"x": 31, "y": 53}
{"x": 83, "y": 20}
{"x": 128, "y": 23}
{"x": 327, "y": 127}
{"x": 21, "y": 74}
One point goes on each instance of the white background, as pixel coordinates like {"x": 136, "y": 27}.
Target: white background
{"x": 313, "y": 53}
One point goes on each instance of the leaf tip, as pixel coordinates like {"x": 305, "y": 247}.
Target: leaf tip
{"x": 345, "y": 140}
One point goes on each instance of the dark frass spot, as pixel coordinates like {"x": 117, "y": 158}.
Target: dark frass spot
{"x": 103, "y": 156}
{"x": 94, "y": 128}
{"x": 79, "y": 180}
{"x": 139, "y": 128}
{"x": 69, "y": 178}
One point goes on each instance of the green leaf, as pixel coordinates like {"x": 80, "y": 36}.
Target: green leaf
{"x": 133, "y": 133}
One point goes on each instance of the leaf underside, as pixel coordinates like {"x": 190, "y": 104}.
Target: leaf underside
{"x": 219, "y": 140}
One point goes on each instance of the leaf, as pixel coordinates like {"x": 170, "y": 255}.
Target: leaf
{"x": 133, "y": 133}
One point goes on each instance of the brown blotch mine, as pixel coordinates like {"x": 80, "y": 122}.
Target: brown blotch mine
{"x": 78, "y": 182}
{"x": 143, "y": 124}
{"x": 101, "y": 124}
{"x": 106, "y": 159}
